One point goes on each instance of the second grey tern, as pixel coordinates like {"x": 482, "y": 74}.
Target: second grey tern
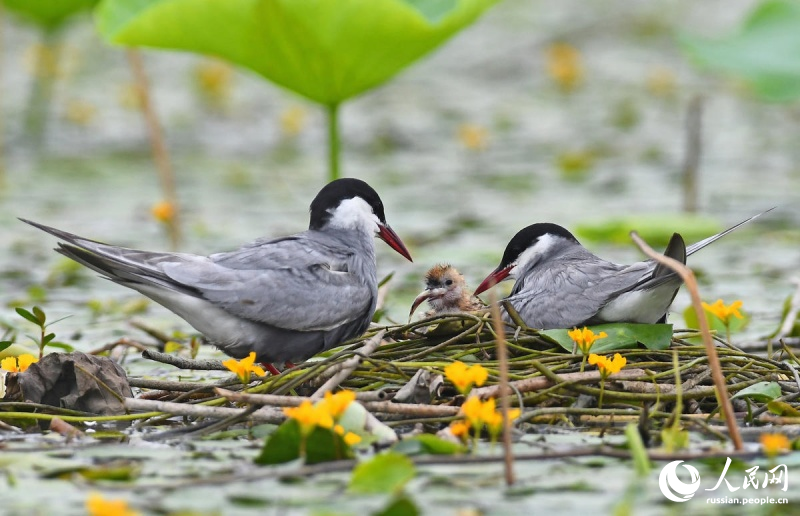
{"x": 285, "y": 298}
{"x": 561, "y": 284}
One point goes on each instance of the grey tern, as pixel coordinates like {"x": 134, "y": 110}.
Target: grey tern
{"x": 561, "y": 284}
{"x": 285, "y": 298}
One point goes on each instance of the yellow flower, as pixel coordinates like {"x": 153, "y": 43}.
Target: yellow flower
{"x": 163, "y": 211}
{"x": 18, "y": 364}
{"x": 460, "y": 429}
{"x": 493, "y": 418}
{"x": 242, "y": 368}
{"x": 606, "y": 365}
{"x": 724, "y": 312}
{"x": 337, "y": 403}
{"x": 308, "y": 416}
{"x": 214, "y": 79}
{"x": 350, "y": 438}
{"x": 773, "y": 444}
{"x": 564, "y": 65}
{"x": 96, "y": 505}
{"x": 293, "y": 120}
{"x": 463, "y": 377}
{"x": 473, "y": 137}
{"x": 585, "y": 338}
{"x": 473, "y": 411}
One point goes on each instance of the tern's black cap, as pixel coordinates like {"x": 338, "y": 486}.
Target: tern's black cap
{"x": 528, "y": 237}
{"x": 337, "y": 191}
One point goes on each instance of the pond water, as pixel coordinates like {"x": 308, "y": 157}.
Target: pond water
{"x": 240, "y": 176}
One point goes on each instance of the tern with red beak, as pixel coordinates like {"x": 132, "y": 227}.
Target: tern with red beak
{"x": 561, "y": 284}
{"x": 286, "y": 298}
{"x": 446, "y": 292}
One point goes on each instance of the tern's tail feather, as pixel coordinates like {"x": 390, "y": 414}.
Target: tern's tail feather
{"x": 710, "y": 240}
{"x": 119, "y": 264}
{"x": 675, "y": 249}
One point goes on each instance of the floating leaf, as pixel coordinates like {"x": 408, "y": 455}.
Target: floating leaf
{"x": 400, "y": 506}
{"x": 761, "y": 391}
{"x": 325, "y": 50}
{"x": 782, "y": 408}
{"x": 427, "y": 444}
{"x": 322, "y": 445}
{"x": 27, "y": 315}
{"x": 48, "y": 14}
{"x": 714, "y": 322}
{"x": 764, "y": 52}
{"x": 656, "y": 230}
{"x": 385, "y": 473}
{"x": 620, "y": 335}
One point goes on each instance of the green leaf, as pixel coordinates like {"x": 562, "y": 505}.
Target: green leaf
{"x": 620, "y": 335}
{"x": 322, "y": 445}
{"x": 641, "y": 461}
{"x": 49, "y": 14}
{"x": 761, "y": 391}
{"x": 781, "y": 408}
{"x": 5, "y": 344}
{"x": 714, "y": 322}
{"x": 325, "y": 50}
{"x": 47, "y": 338}
{"x": 427, "y": 444}
{"x": 40, "y": 316}
{"x": 764, "y": 52}
{"x": 61, "y": 345}
{"x": 385, "y": 473}
{"x": 400, "y": 506}
{"x": 27, "y": 315}
{"x": 656, "y": 230}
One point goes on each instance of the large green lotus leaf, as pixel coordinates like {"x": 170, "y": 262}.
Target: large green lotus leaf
{"x": 764, "y": 52}
{"x": 48, "y": 13}
{"x": 326, "y": 50}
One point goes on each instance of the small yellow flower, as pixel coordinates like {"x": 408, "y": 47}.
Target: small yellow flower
{"x": 724, "y": 312}
{"x": 585, "y": 338}
{"x": 18, "y": 364}
{"x": 337, "y": 403}
{"x": 351, "y": 438}
{"x": 242, "y": 368}
{"x": 293, "y": 120}
{"x": 493, "y": 418}
{"x": 564, "y": 65}
{"x": 464, "y": 377}
{"x": 96, "y": 505}
{"x": 473, "y": 137}
{"x": 214, "y": 79}
{"x": 473, "y": 411}
{"x": 606, "y": 365}
{"x": 163, "y": 211}
{"x": 773, "y": 444}
{"x": 308, "y": 416}
{"x": 460, "y": 429}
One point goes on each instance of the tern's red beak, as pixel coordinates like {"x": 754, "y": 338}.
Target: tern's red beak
{"x": 388, "y": 235}
{"x": 493, "y": 279}
{"x": 423, "y": 296}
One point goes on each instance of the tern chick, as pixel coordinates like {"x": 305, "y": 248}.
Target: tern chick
{"x": 446, "y": 292}
{"x": 560, "y": 284}
{"x": 286, "y": 298}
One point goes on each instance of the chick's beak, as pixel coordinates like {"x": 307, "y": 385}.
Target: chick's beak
{"x": 498, "y": 275}
{"x": 388, "y": 235}
{"x": 423, "y": 296}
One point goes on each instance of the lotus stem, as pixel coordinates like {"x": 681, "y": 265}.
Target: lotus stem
{"x": 334, "y": 143}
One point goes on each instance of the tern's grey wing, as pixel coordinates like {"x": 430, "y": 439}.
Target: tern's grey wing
{"x": 566, "y": 293}
{"x": 296, "y": 283}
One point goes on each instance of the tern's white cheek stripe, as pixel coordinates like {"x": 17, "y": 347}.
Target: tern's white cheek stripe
{"x": 534, "y": 253}
{"x": 354, "y": 213}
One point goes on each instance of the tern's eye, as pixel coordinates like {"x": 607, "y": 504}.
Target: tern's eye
{"x": 448, "y": 282}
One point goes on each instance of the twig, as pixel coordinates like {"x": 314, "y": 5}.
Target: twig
{"x": 505, "y": 402}
{"x": 350, "y": 365}
{"x": 388, "y": 407}
{"x": 713, "y": 359}
{"x": 541, "y": 382}
{"x": 164, "y": 385}
{"x": 184, "y": 363}
{"x": 119, "y": 342}
{"x": 60, "y": 426}
{"x": 263, "y": 415}
{"x": 160, "y": 336}
{"x": 159, "y": 148}
{"x": 791, "y": 317}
